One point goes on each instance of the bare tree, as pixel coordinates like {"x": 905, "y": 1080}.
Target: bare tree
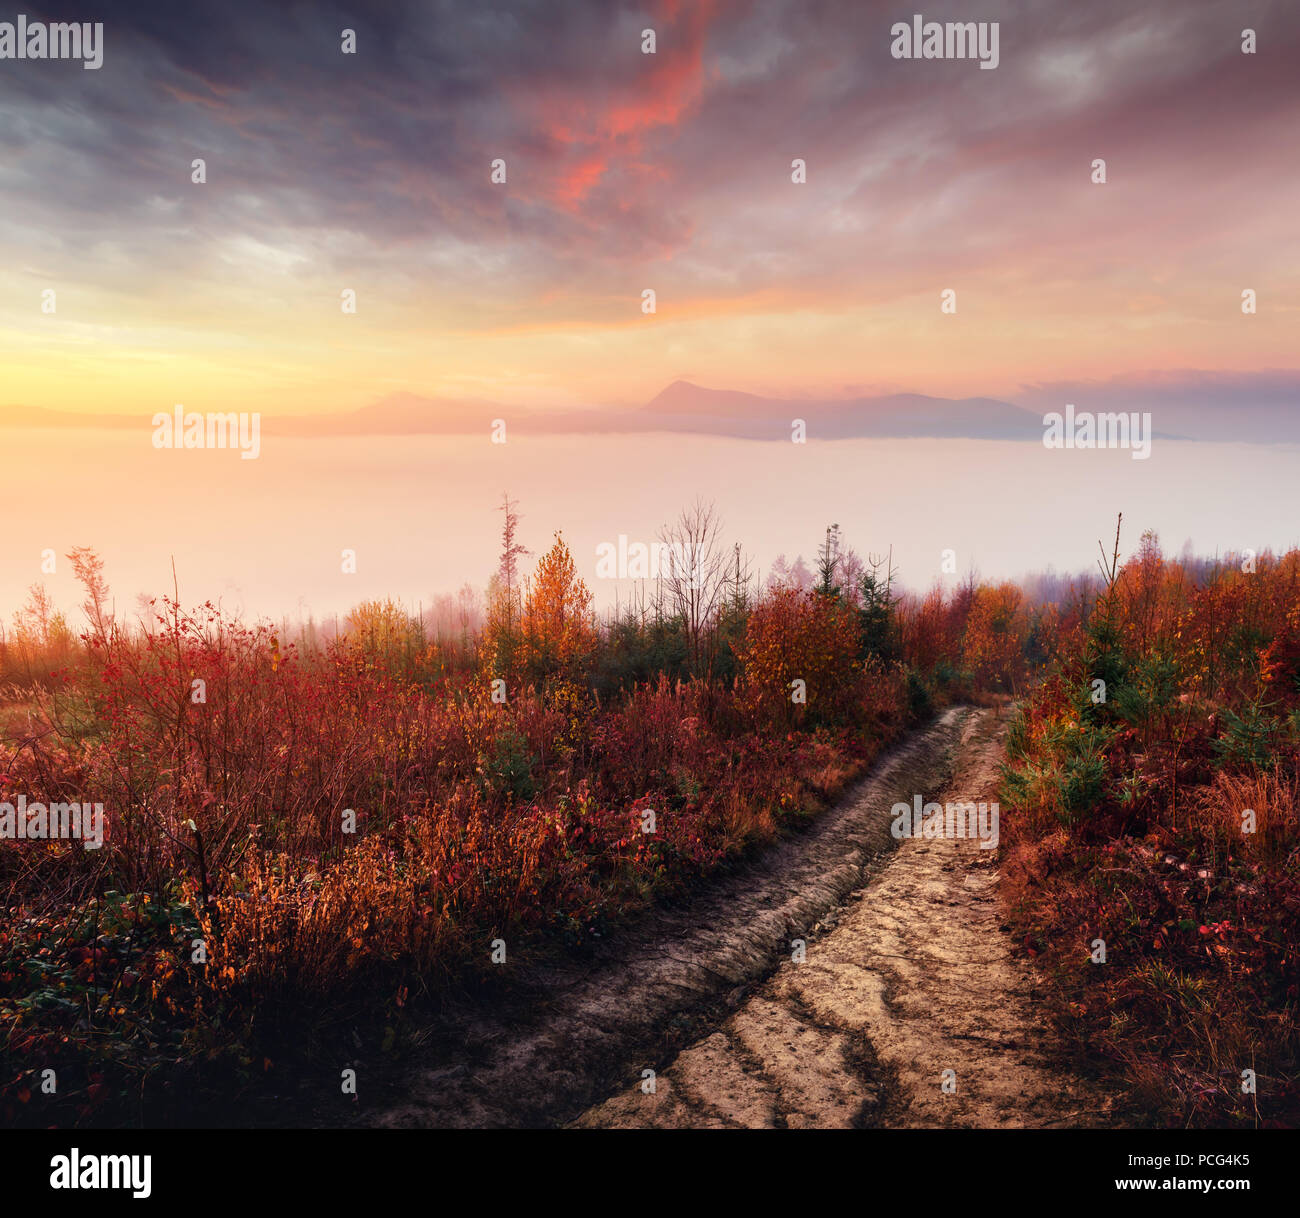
{"x": 699, "y": 569}
{"x": 852, "y": 569}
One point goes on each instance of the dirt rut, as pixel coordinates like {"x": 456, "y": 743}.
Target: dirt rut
{"x": 578, "y": 1035}
{"x": 914, "y": 979}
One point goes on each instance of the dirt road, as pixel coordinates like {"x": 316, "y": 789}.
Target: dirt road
{"x": 907, "y": 974}
{"x": 914, "y": 978}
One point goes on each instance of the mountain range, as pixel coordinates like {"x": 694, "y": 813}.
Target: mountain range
{"x": 687, "y": 408}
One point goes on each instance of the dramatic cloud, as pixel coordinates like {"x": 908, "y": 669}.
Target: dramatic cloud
{"x": 628, "y": 171}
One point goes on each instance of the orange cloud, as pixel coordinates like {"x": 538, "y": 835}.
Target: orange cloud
{"x": 660, "y": 96}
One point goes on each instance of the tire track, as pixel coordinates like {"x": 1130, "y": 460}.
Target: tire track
{"x": 577, "y": 1033}
{"x": 915, "y": 978}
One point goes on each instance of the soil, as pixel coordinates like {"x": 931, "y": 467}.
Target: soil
{"x": 916, "y": 977}
{"x": 908, "y": 972}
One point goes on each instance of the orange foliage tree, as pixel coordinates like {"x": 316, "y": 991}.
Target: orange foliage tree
{"x": 557, "y": 630}
{"x": 795, "y": 636}
{"x": 994, "y": 646}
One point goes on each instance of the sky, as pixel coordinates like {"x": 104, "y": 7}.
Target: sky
{"x": 372, "y": 173}
{"x": 626, "y": 171}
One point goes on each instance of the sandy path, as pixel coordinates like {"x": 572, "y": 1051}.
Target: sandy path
{"x": 914, "y": 977}
{"x": 572, "y": 1036}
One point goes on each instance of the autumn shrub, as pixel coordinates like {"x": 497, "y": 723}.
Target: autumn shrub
{"x": 993, "y": 645}
{"x": 1150, "y": 803}
{"x": 799, "y": 658}
{"x": 300, "y": 831}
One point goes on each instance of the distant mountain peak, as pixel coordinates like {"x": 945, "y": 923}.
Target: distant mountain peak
{"x": 684, "y": 396}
